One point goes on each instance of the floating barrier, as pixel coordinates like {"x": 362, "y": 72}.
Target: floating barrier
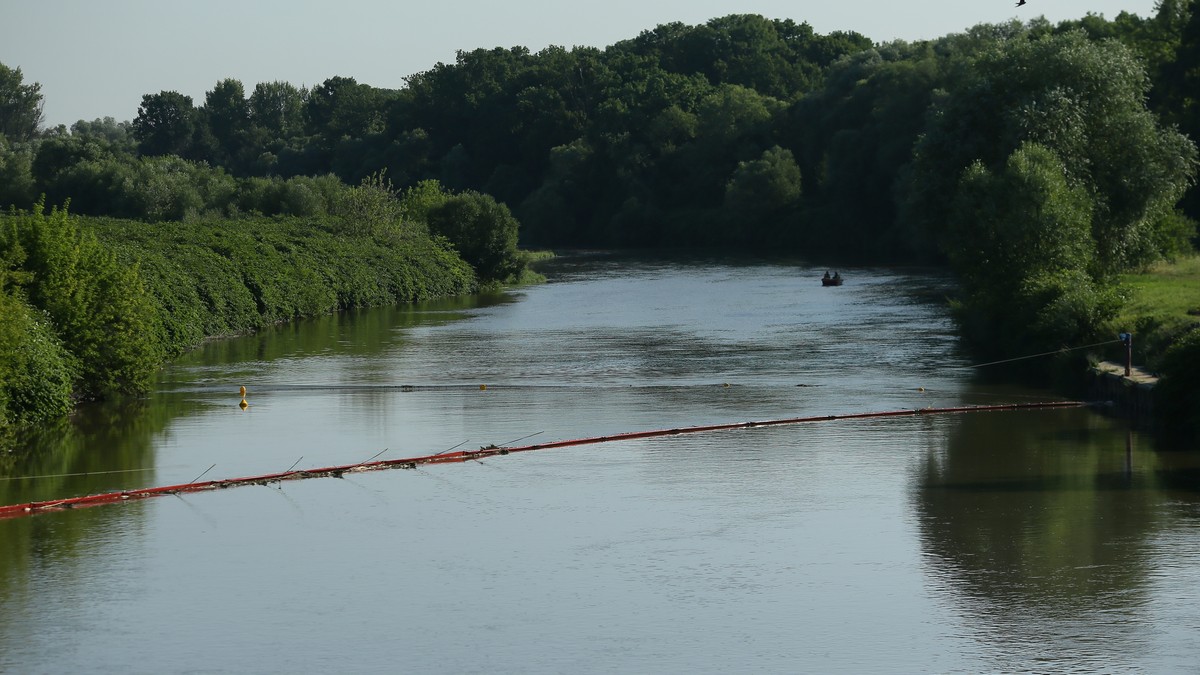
{"x": 459, "y": 456}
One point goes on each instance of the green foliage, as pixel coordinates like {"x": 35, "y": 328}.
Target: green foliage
{"x": 482, "y": 230}
{"x": 116, "y": 136}
{"x": 224, "y": 277}
{"x": 1020, "y": 242}
{"x": 16, "y": 174}
{"x": 227, "y": 114}
{"x": 1084, "y": 101}
{"x": 165, "y": 124}
{"x": 422, "y": 198}
{"x": 1018, "y": 222}
{"x": 371, "y": 208}
{"x": 764, "y": 185}
{"x": 170, "y": 188}
{"x": 36, "y": 371}
{"x": 277, "y": 108}
{"x": 296, "y": 196}
{"x": 20, "y": 106}
{"x": 99, "y": 308}
{"x": 1176, "y": 397}
{"x": 759, "y": 195}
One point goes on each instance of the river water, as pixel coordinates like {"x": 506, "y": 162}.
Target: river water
{"x": 1033, "y": 541}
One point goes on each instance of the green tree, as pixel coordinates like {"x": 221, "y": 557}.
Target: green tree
{"x": 482, "y": 230}
{"x": 1083, "y": 100}
{"x": 165, "y": 124}
{"x": 278, "y": 107}
{"x": 418, "y": 200}
{"x": 100, "y": 308}
{"x": 759, "y": 195}
{"x": 116, "y": 136}
{"x": 16, "y": 174}
{"x": 1019, "y": 241}
{"x": 58, "y": 153}
{"x": 370, "y": 208}
{"x": 342, "y": 108}
{"x": 227, "y": 113}
{"x": 1176, "y": 397}
{"x": 36, "y": 372}
{"x": 1179, "y": 87}
{"x": 20, "y": 106}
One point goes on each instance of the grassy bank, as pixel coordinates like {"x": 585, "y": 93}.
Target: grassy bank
{"x": 1162, "y": 309}
{"x": 1162, "y": 305}
{"x": 90, "y": 308}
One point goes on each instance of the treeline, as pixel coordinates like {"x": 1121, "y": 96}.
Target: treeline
{"x": 743, "y": 131}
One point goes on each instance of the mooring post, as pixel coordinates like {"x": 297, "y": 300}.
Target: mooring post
{"x": 1127, "y": 340}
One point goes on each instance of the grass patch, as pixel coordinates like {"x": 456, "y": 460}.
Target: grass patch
{"x": 1166, "y": 289}
{"x": 1162, "y": 305}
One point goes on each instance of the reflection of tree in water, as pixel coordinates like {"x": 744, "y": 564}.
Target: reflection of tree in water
{"x": 106, "y": 441}
{"x": 1033, "y": 525}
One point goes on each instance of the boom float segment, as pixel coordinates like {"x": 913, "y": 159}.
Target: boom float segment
{"x": 31, "y": 508}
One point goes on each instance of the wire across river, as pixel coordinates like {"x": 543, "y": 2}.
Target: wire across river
{"x": 458, "y": 456}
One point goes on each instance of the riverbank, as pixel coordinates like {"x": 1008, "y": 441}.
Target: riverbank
{"x": 1162, "y": 304}
{"x": 1162, "y": 311}
{"x": 1127, "y": 394}
{"x": 92, "y": 307}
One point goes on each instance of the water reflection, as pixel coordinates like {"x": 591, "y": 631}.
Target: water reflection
{"x": 1038, "y": 528}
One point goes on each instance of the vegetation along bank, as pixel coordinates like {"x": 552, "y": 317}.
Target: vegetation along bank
{"x": 1043, "y": 163}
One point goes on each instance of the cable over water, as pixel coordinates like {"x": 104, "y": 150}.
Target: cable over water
{"x": 1034, "y": 356}
{"x": 445, "y": 457}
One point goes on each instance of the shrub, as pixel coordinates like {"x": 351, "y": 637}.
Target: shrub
{"x": 1177, "y": 395}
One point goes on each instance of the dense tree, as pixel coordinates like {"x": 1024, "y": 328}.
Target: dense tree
{"x": 165, "y": 124}
{"x": 765, "y": 186}
{"x": 278, "y": 108}
{"x": 20, "y": 106}
{"x": 483, "y": 232}
{"x": 117, "y": 136}
{"x": 1083, "y": 100}
{"x": 342, "y": 108}
{"x": 1179, "y": 90}
{"x": 227, "y": 113}
{"x": 16, "y": 174}
{"x": 36, "y": 371}
{"x": 1020, "y": 240}
{"x": 99, "y": 307}
{"x": 652, "y": 140}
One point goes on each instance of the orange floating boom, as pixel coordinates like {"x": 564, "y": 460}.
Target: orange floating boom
{"x": 30, "y": 508}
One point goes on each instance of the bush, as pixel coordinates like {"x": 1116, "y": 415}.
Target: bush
{"x": 483, "y": 231}
{"x": 36, "y": 371}
{"x": 1177, "y": 395}
{"x": 99, "y": 307}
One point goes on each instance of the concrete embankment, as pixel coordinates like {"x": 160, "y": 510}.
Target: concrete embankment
{"x": 1130, "y": 395}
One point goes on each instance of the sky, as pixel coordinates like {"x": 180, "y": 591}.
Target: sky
{"x": 97, "y": 58}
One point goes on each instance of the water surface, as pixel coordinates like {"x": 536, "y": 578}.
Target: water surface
{"x": 1044, "y": 541}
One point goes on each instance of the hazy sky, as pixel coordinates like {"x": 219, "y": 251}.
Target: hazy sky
{"x": 96, "y": 58}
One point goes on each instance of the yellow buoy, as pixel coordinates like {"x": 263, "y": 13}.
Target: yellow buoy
{"x": 482, "y": 387}
{"x": 243, "y": 405}
{"x": 243, "y": 392}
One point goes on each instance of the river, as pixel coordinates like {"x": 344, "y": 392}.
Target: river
{"x": 1033, "y": 541}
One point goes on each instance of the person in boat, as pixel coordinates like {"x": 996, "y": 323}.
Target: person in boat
{"x": 826, "y": 277}
{"x": 837, "y": 276}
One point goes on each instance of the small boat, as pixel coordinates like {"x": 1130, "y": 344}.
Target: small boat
{"x": 835, "y": 280}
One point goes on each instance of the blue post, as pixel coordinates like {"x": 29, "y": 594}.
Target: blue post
{"x": 1127, "y": 340}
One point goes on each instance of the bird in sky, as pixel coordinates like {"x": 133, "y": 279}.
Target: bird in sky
{"x": 1020, "y": 2}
